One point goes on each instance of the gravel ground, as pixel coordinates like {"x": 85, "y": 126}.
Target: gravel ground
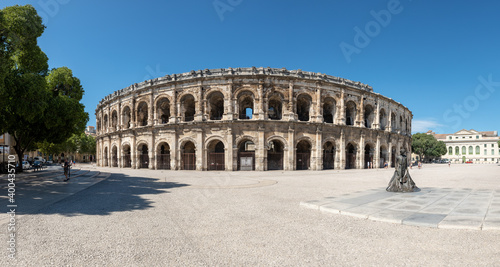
{"x": 182, "y": 218}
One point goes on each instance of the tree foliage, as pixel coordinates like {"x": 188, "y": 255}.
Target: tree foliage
{"x": 427, "y": 146}
{"x": 36, "y": 105}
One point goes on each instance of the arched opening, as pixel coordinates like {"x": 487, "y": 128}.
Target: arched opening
{"x": 188, "y": 156}
{"x": 126, "y": 117}
{"x": 401, "y": 123}
{"x": 329, "y": 156}
{"x": 105, "y": 123}
{"x": 143, "y": 157}
{"x": 98, "y": 126}
{"x": 163, "y": 110}
{"x": 105, "y": 157}
{"x": 393, "y": 122}
{"x": 303, "y": 155}
{"x": 303, "y": 107}
{"x": 163, "y": 157}
{"x": 350, "y": 156}
{"x": 216, "y": 105}
{"x": 457, "y": 150}
{"x": 368, "y": 156}
{"x": 275, "y": 154}
{"x": 127, "y": 160}
{"x": 142, "y": 114}
{"x": 369, "y": 116}
{"x": 188, "y": 107}
{"x": 114, "y": 120}
{"x": 464, "y": 150}
{"x": 382, "y": 119}
{"x": 383, "y": 156}
{"x": 329, "y": 106}
{"x": 215, "y": 156}
{"x": 246, "y": 156}
{"x": 477, "y": 150}
{"x": 114, "y": 156}
{"x": 471, "y": 150}
{"x": 350, "y": 113}
{"x": 275, "y": 105}
{"x": 245, "y": 103}
{"x": 450, "y": 150}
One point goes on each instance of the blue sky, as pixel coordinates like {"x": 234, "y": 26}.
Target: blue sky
{"x": 440, "y": 59}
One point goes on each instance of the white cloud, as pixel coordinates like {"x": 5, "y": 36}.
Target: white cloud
{"x": 422, "y": 126}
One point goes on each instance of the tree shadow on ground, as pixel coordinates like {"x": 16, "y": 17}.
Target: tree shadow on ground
{"x": 117, "y": 193}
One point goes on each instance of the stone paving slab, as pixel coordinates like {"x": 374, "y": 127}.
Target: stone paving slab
{"x": 445, "y": 208}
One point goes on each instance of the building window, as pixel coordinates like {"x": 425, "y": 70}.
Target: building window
{"x": 477, "y": 136}
{"x": 492, "y": 145}
{"x": 457, "y": 150}
{"x": 470, "y": 150}
{"x": 456, "y": 137}
{"x": 451, "y": 137}
{"x": 470, "y": 136}
{"x": 477, "y": 150}
{"x": 493, "y": 152}
{"x": 464, "y": 150}
{"x": 450, "y": 151}
{"x": 485, "y": 152}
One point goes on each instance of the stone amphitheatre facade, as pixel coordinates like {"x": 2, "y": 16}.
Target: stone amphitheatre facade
{"x": 250, "y": 119}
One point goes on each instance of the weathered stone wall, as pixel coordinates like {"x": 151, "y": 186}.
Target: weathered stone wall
{"x": 295, "y": 120}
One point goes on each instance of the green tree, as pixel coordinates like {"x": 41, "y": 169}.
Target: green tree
{"x": 36, "y": 105}
{"x": 427, "y": 146}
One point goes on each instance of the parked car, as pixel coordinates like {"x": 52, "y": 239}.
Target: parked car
{"x": 470, "y": 161}
{"x": 42, "y": 160}
{"x": 26, "y": 165}
{"x": 37, "y": 165}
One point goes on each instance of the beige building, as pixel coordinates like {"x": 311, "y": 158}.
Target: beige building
{"x": 6, "y": 147}
{"x": 250, "y": 119}
{"x": 471, "y": 145}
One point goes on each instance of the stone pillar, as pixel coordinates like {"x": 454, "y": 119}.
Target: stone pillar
{"x": 377, "y": 153}
{"x": 316, "y": 105}
{"x": 175, "y": 155}
{"x": 133, "y": 123}
{"x": 200, "y": 152}
{"x": 199, "y": 114}
{"x": 133, "y": 153}
{"x": 229, "y": 151}
{"x": 152, "y": 152}
{"x": 260, "y": 95}
{"x": 261, "y": 151}
{"x": 228, "y": 104}
{"x": 341, "y": 151}
{"x": 377, "y": 115}
{"x": 318, "y": 151}
{"x": 290, "y": 114}
{"x": 151, "y": 115}
{"x": 361, "y": 152}
{"x": 119, "y": 152}
{"x": 341, "y": 114}
{"x": 119, "y": 117}
{"x": 360, "y": 121}
{"x": 290, "y": 162}
{"x": 389, "y": 155}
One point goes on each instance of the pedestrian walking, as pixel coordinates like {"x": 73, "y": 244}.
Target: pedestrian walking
{"x": 66, "y": 170}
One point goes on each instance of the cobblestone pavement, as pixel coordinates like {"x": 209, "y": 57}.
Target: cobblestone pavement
{"x": 123, "y": 217}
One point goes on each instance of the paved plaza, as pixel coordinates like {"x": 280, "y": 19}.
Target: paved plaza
{"x": 124, "y": 217}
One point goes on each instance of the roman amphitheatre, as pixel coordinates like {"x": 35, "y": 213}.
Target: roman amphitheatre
{"x": 244, "y": 119}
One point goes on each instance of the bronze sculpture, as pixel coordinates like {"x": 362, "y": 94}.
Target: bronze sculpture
{"x": 401, "y": 180}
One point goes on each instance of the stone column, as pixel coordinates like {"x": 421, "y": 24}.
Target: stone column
{"x": 199, "y": 114}
{"x": 318, "y": 151}
{"x": 175, "y": 155}
{"x": 360, "y": 121}
{"x": 200, "y": 151}
{"x": 229, "y": 150}
{"x": 228, "y": 104}
{"x": 152, "y": 114}
{"x": 389, "y": 155}
{"x": 261, "y": 151}
{"x": 361, "y": 150}
{"x": 341, "y": 116}
{"x": 377, "y": 115}
{"x": 133, "y": 152}
{"x": 290, "y": 114}
{"x": 133, "y": 123}
{"x": 119, "y": 116}
{"x": 119, "y": 152}
{"x": 260, "y": 95}
{"x": 290, "y": 162}
{"x": 152, "y": 152}
{"x": 341, "y": 151}
{"x": 377, "y": 153}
